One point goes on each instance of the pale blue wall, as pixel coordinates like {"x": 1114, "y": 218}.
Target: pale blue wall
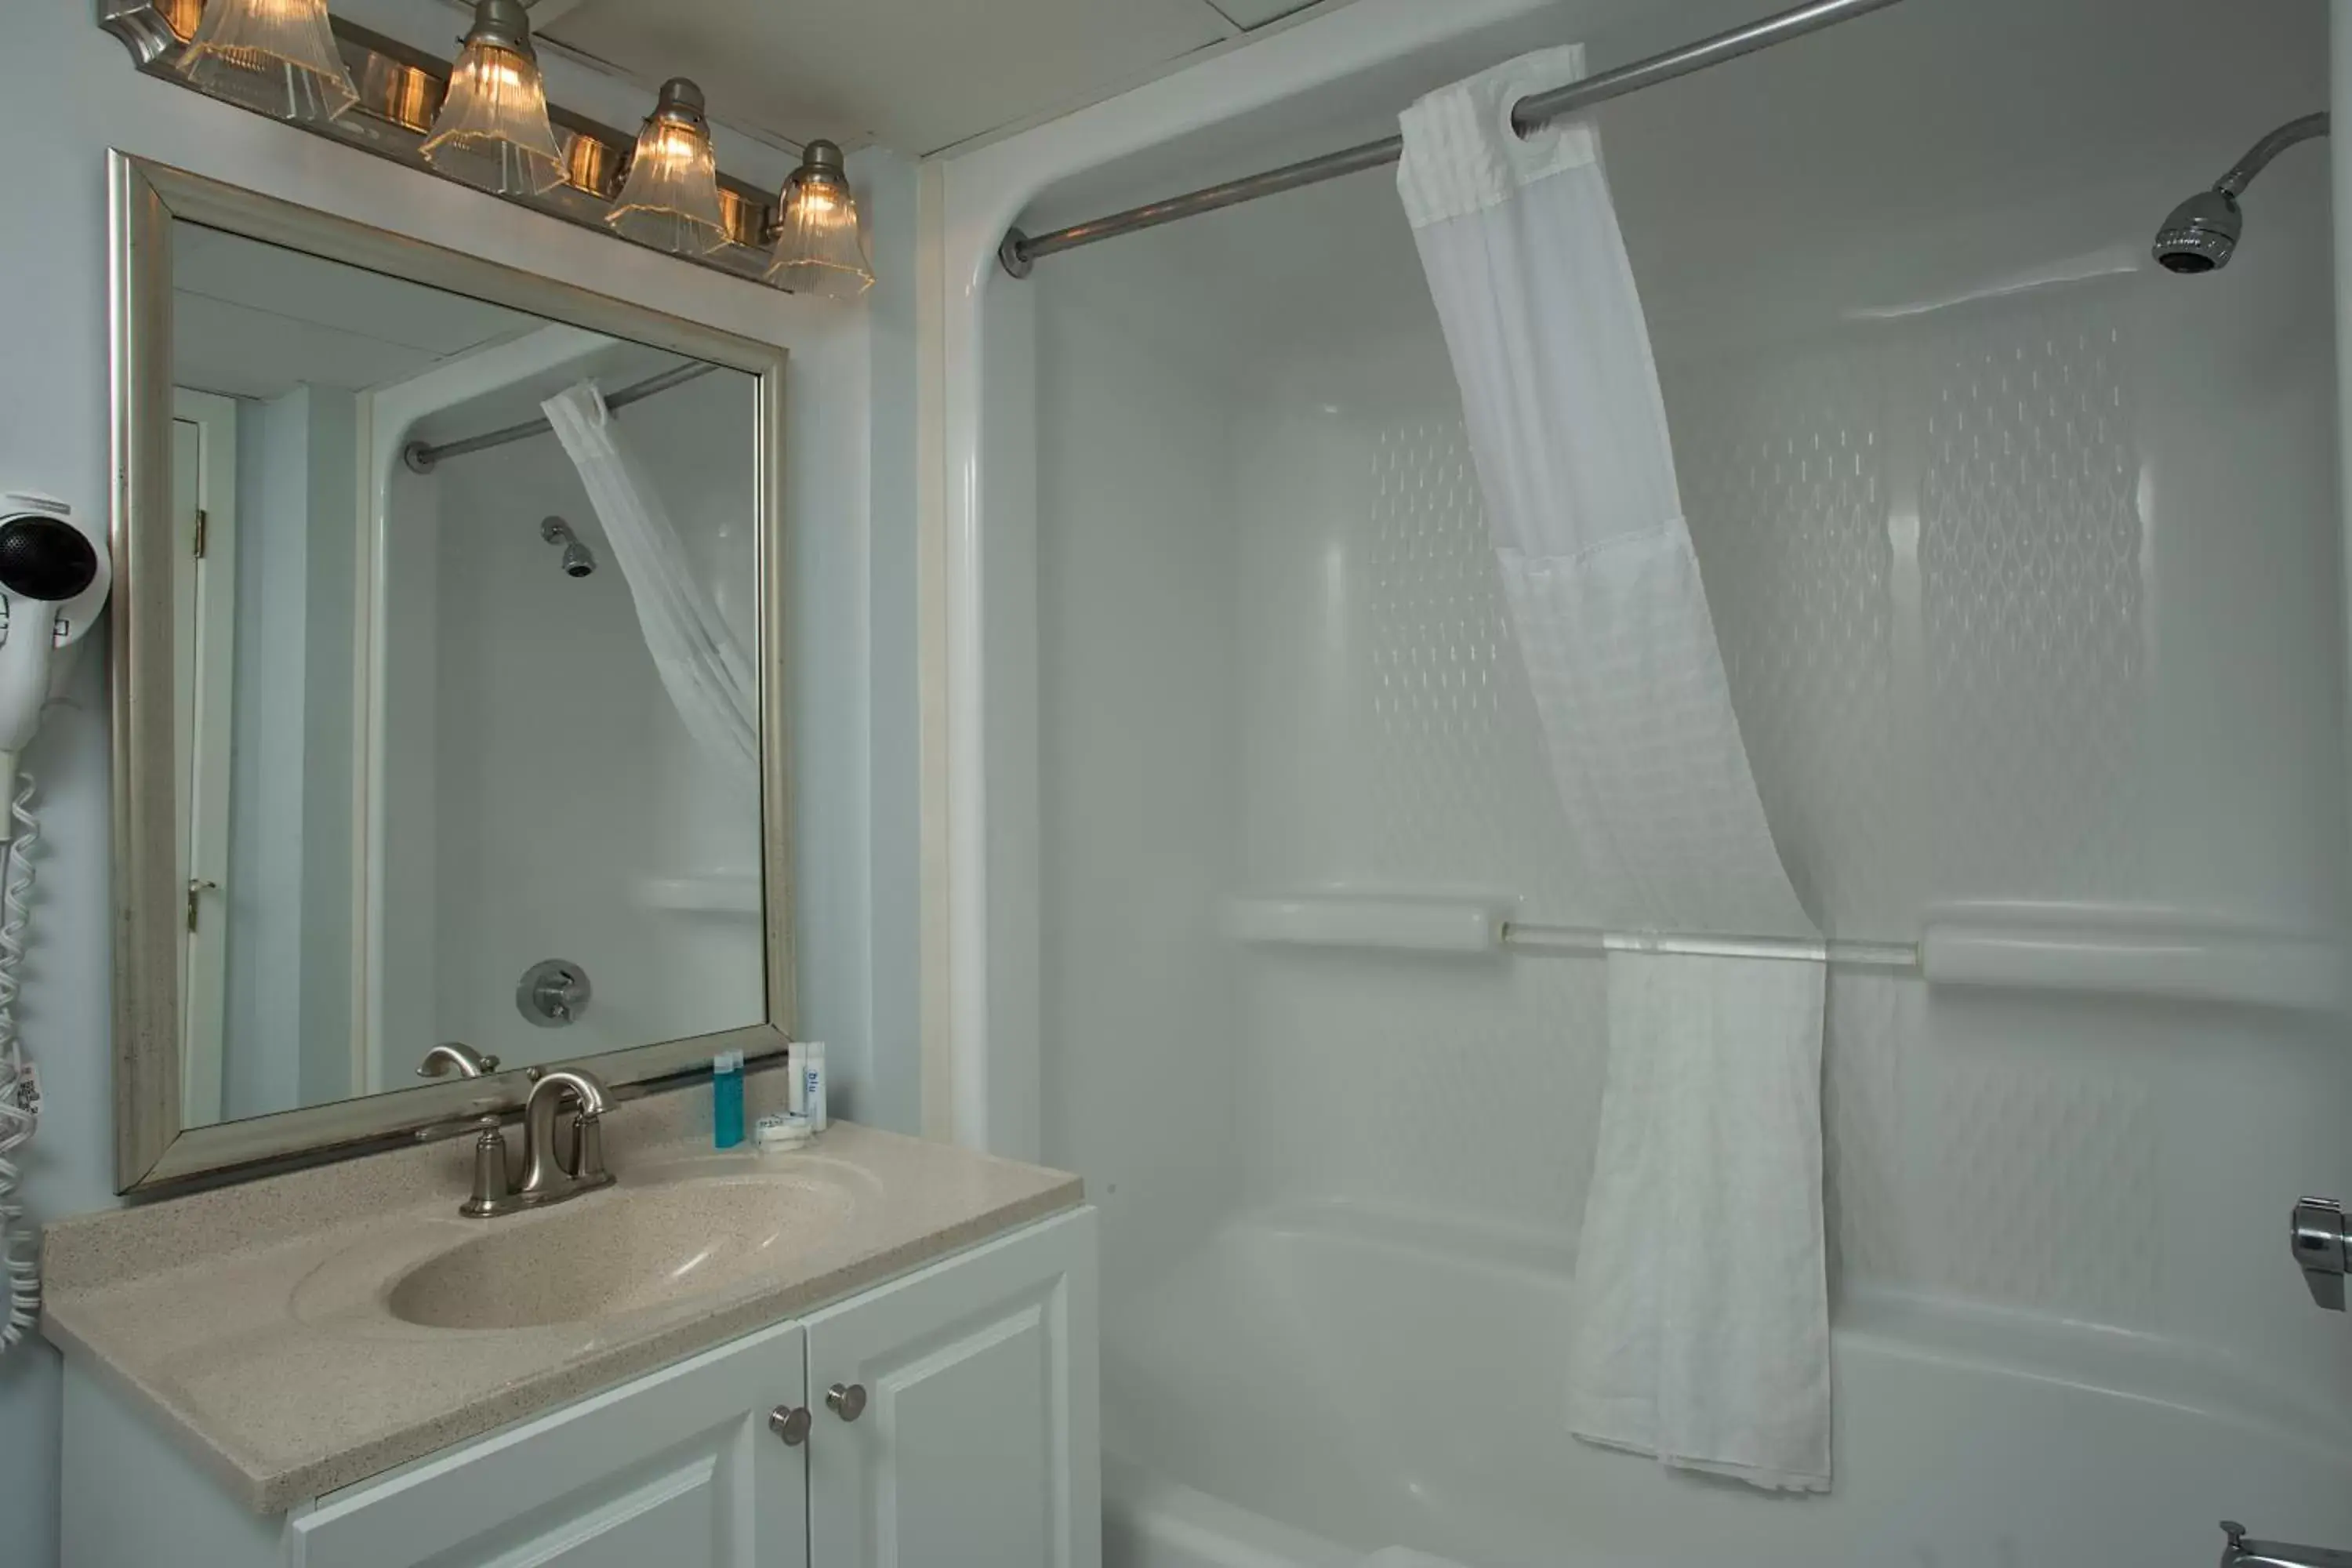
{"x": 886, "y": 186}
{"x": 289, "y": 883}
{"x": 67, "y": 94}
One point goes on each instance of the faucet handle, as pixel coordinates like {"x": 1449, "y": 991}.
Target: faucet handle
{"x": 490, "y": 1181}
{"x": 588, "y": 1134}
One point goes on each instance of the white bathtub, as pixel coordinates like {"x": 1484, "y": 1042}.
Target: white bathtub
{"x": 1320, "y": 1382}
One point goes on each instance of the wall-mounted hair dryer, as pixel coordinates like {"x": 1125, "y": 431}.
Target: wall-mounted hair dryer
{"x": 54, "y": 577}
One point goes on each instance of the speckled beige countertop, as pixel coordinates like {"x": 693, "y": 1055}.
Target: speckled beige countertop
{"x": 256, "y": 1320}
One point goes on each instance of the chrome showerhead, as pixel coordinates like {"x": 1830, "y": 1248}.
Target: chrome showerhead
{"x": 578, "y": 560}
{"x": 2200, "y": 233}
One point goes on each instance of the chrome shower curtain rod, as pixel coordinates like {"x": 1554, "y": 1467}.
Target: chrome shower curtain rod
{"x": 1020, "y": 250}
{"x": 421, "y": 456}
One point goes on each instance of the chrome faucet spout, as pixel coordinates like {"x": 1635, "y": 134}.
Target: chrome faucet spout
{"x": 457, "y": 1057}
{"x": 546, "y": 1177}
{"x": 542, "y": 1169}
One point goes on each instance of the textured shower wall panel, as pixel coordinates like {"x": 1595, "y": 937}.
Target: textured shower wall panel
{"x": 1923, "y": 554}
{"x": 1927, "y": 559}
{"x": 1997, "y": 1165}
{"x": 2030, "y": 575}
{"x": 1469, "y": 1090}
{"x": 1393, "y": 745}
{"x": 1782, "y": 461}
{"x": 1453, "y": 775}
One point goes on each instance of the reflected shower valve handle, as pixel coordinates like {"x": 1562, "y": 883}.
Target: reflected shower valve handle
{"x": 2320, "y": 1244}
{"x": 553, "y": 992}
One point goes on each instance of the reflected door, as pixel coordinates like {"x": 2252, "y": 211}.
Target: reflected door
{"x": 203, "y": 592}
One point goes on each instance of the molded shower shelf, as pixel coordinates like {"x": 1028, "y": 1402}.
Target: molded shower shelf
{"x": 2127, "y": 951}
{"x": 708, "y": 893}
{"x": 2108, "y": 950}
{"x": 1390, "y": 920}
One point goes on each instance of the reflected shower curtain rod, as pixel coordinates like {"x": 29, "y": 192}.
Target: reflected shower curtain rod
{"x": 1019, "y": 251}
{"x": 420, "y": 456}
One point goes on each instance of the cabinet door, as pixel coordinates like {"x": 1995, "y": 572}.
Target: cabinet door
{"x": 975, "y": 1446}
{"x": 678, "y": 1468}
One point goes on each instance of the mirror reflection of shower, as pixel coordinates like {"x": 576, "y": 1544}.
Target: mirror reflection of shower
{"x": 579, "y": 561}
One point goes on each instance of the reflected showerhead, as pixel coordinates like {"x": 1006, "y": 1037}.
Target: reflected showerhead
{"x": 578, "y": 560}
{"x": 2200, "y": 233}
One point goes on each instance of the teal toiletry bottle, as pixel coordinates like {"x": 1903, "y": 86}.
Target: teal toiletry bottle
{"x": 727, "y": 1098}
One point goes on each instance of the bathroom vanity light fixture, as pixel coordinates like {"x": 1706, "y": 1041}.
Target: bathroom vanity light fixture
{"x": 276, "y": 57}
{"x": 492, "y": 131}
{"x": 819, "y": 249}
{"x": 486, "y": 120}
{"x": 669, "y": 199}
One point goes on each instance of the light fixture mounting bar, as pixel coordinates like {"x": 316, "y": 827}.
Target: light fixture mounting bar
{"x": 400, "y": 89}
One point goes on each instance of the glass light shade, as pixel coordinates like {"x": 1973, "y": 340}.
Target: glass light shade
{"x": 492, "y": 130}
{"x": 275, "y": 56}
{"x": 819, "y": 249}
{"x": 669, "y": 199}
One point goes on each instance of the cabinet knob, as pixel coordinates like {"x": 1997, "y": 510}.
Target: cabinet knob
{"x": 791, "y": 1423}
{"x": 847, "y": 1399}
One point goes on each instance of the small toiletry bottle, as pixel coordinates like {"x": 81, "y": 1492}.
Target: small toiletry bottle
{"x": 795, "y": 1078}
{"x": 811, "y": 1073}
{"x": 727, "y": 1099}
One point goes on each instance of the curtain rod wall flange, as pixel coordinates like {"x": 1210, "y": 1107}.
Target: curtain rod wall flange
{"x": 1019, "y": 252}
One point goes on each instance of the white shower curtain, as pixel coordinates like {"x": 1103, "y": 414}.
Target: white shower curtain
{"x": 709, "y": 678}
{"x": 1702, "y": 1324}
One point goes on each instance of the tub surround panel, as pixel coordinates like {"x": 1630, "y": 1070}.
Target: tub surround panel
{"x": 252, "y": 1320}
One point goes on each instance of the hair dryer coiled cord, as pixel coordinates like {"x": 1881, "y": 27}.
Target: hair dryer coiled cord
{"x": 20, "y": 1100}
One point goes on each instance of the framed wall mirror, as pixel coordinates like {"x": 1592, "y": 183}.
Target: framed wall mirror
{"x": 446, "y": 701}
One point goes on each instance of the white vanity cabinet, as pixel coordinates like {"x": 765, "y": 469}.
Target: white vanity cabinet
{"x": 953, "y": 1427}
{"x": 951, "y": 1422}
{"x": 678, "y": 1468}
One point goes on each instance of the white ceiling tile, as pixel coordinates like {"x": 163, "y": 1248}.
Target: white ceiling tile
{"x": 913, "y": 75}
{"x": 238, "y": 351}
{"x": 253, "y": 320}
{"x": 297, "y": 284}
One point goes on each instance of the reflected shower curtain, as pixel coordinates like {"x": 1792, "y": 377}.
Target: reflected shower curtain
{"x": 709, "y": 678}
{"x": 1702, "y": 1321}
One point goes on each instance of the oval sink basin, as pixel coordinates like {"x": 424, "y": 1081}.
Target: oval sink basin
{"x": 624, "y": 1250}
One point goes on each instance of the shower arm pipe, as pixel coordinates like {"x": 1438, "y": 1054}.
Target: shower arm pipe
{"x": 421, "y": 456}
{"x": 2241, "y": 174}
{"x": 1019, "y": 251}
{"x": 1527, "y": 937}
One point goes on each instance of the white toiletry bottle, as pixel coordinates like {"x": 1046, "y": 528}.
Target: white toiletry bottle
{"x": 811, "y": 1066}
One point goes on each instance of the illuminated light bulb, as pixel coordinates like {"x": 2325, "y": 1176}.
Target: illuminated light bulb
{"x": 493, "y": 131}
{"x": 670, "y": 198}
{"x": 819, "y": 249}
{"x": 275, "y": 56}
